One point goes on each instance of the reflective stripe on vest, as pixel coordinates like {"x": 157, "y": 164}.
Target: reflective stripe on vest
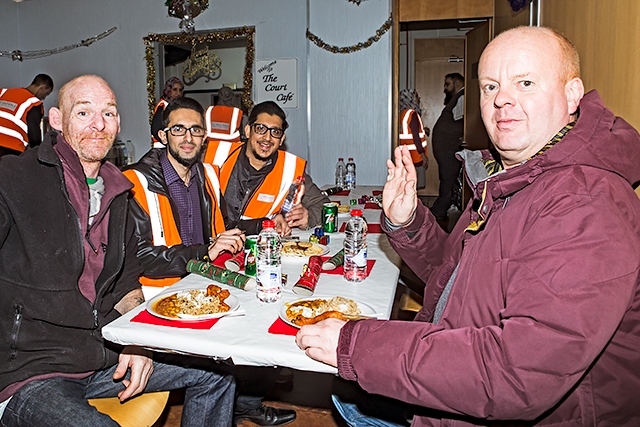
{"x": 213, "y": 179}
{"x": 217, "y": 125}
{"x": 288, "y": 175}
{"x": 222, "y": 153}
{"x": 14, "y": 112}
{"x": 157, "y": 228}
{"x": 406, "y": 130}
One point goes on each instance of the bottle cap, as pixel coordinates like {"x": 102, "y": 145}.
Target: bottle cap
{"x": 356, "y": 212}
{"x": 350, "y": 159}
{"x": 340, "y": 159}
{"x": 268, "y": 223}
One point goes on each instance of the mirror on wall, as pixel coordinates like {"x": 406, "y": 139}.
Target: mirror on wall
{"x": 204, "y": 61}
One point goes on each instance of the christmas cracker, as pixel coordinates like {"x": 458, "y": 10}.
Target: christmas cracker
{"x": 310, "y": 275}
{"x": 221, "y": 275}
{"x": 334, "y": 262}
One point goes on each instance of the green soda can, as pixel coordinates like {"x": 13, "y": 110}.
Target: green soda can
{"x": 251, "y": 255}
{"x": 330, "y": 217}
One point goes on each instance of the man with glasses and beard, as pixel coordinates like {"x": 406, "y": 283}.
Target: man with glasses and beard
{"x": 252, "y": 175}
{"x": 178, "y": 213}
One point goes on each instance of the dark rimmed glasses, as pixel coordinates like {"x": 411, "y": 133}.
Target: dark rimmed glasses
{"x": 261, "y": 129}
{"x": 179, "y": 130}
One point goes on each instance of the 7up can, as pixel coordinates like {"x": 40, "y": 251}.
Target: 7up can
{"x": 251, "y": 255}
{"x": 330, "y": 217}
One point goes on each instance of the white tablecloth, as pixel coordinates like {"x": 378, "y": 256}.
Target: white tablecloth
{"x": 245, "y": 338}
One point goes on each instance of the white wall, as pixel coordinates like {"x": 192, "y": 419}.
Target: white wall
{"x": 341, "y": 85}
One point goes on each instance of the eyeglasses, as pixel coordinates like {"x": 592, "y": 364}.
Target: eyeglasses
{"x": 179, "y": 130}
{"x": 261, "y": 129}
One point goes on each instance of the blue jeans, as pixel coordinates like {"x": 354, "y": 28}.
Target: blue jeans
{"x": 58, "y": 402}
{"x": 355, "y": 418}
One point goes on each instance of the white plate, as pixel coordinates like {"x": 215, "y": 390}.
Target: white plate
{"x": 325, "y": 250}
{"x": 365, "y": 309}
{"x": 231, "y": 301}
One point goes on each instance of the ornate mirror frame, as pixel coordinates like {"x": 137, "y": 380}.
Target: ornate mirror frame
{"x": 203, "y": 37}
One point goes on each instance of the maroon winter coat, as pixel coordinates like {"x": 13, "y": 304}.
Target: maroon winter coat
{"x": 542, "y": 325}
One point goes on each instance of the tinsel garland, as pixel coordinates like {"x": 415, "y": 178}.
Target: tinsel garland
{"x": 246, "y": 32}
{"x": 349, "y": 49}
{"x": 18, "y": 55}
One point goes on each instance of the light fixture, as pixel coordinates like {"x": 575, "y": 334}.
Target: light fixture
{"x": 186, "y": 10}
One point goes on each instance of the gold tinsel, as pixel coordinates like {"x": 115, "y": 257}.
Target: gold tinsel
{"x": 356, "y": 47}
{"x": 247, "y": 32}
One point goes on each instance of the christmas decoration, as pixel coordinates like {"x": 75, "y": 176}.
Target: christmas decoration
{"x": 18, "y": 55}
{"x": 350, "y": 49}
{"x": 186, "y": 10}
{"x": 221, "y": 275}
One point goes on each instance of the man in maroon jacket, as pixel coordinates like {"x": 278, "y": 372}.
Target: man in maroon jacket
{"x": 532, "y": 304}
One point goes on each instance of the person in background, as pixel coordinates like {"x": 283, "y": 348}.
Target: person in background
{"x": 68, "y": 267}
{"x": 177, "y": 208}
{"x": 21, "y": 113}
{"x": 176, "y": 191}
{"x": 255, "y": 176}
{"x": 412, "y": 132}
{"x": 448, "y": 133}
{"x": 532, "y": 303}
{"x": 173, "y": 89}
{"x": 224, "y": 120}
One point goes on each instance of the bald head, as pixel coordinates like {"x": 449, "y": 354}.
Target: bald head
{"x": 87, "y": 115}
{"x": 530, "y": 89}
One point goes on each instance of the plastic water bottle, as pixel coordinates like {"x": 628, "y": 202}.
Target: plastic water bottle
{"x": 355, "y": 247}
{"x": 293, "y": 196}
{"x": 340, "y": 173}
{"x": 269, "y": 263}
{"x": 350, "y": 177}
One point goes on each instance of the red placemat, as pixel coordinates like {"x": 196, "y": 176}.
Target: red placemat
{"x": 371, "y": 205}
{"x": 280, "y": 328}
{"x": 371, "y": 228}
{"x": 343, "y": 193}
{"x": 376, "y": 192}
{"x": 145, "y": 317}
{"x": 340, "y": 269}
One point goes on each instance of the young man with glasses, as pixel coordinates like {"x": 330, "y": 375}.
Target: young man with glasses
{"x": 255, "y": 176}
{"x": 178, "y": 214}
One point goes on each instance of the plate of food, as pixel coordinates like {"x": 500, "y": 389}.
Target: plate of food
{"x": 307, "y": 311}
{"x": 193, "y": 304}
{"x": 303, "y": 249}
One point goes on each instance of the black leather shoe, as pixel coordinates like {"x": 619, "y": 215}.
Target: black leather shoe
{"x": 265, "y": 416}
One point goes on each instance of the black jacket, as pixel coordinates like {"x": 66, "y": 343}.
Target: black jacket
{"x": 163, "y": 261}
{"x": 46, "y": 324}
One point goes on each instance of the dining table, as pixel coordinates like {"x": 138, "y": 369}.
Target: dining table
{"x": 255, "y": 333}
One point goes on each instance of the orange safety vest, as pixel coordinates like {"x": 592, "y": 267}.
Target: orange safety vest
{"x": 14, "y": 105}
{"x": 223, "y": 123}
{"x": 163, "y": 224}
{"x": 162, "y": 103}
{"x": 268, "y": 198}
{"x": 406, "y": 137}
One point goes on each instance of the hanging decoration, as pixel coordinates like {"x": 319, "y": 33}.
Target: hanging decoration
{"x": 186, "y": 10}
{"x": 350, "y": 49}
{"x": 356, "y": 1}
{"x": 518, "y": 5}
{"x": 201, "y": 63}
{"x": 18, "y": 55}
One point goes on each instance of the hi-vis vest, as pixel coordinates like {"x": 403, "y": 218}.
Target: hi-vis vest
{"x": 163, "y": 223}
{"x": 223, "y": 123}
{"x": 14, "y": 106}
{"x": 406, "y": 137}
{"x": 162, "y": 103}
{"x": 268, "y": 198}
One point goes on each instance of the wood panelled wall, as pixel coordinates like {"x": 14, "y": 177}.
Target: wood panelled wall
{"x": 428, "y": 10}
{"x": 607, "y": 36}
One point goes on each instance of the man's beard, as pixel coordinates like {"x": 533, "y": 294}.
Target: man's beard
{"x": 447, "y": 96}
{"x": 182, "y": 160}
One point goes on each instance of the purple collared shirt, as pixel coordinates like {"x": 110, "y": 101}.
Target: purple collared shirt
{"x": 186, "y": 199}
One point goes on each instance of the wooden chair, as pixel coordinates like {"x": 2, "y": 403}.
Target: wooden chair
{"x": 140, "y": 411}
